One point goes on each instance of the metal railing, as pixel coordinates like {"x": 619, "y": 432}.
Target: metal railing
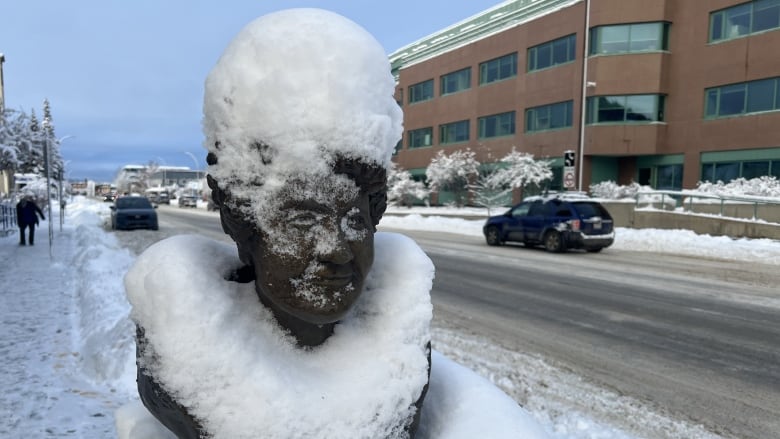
{"x": 7, "y": 218}
{"x": 727, "y": 206}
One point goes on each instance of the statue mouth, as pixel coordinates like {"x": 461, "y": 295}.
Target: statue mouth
{"x": 337, "y": 280}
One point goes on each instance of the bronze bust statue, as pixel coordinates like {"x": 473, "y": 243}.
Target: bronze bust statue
{"x": 305, "y": 235}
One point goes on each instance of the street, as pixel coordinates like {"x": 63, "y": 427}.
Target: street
{"x": 696, "y": 339}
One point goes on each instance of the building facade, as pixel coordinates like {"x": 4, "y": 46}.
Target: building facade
{"x": 673, "y": 92}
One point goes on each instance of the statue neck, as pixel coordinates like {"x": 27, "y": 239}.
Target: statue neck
{"x": 306, "y": 334}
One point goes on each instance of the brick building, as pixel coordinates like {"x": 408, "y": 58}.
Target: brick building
{"x": 674, "y": 91}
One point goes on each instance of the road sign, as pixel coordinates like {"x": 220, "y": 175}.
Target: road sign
{"x": 568, "y": 159}
{"x": 568, "y": 180}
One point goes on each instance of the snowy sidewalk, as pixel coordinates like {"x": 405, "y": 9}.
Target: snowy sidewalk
{"x": 49, "y": 388}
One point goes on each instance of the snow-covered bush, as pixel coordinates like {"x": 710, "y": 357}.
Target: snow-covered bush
{"x": 402, "y": 189}
{"x": 765, "y": 186}
{"x": 453, "y": 173}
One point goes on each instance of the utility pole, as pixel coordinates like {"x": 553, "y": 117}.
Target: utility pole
{"x": 47, "y": 165}
{"x": 2, "y": 88}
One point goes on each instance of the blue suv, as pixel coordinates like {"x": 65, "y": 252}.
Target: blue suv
{"x": 558, "y": 223}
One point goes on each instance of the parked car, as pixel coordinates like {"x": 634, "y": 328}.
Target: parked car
{"x": 162, "y": 198}
{"x": 133, "y": 212}
{"x": 557, "y": 223}
{"x": 188, "y": 200}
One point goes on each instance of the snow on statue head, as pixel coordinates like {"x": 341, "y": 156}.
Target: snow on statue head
{"x": 300, "y": 124}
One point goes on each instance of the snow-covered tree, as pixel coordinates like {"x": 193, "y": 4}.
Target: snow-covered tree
{"x": 453, "y": 173}
{"x": 520, "y": 170}
{"x": 31, "y": 150}
{"x": 55, "y": 158}
{"x": 489, "y": 192}
{"x": 402, "y": 188}
{"x": 10, "y": 139}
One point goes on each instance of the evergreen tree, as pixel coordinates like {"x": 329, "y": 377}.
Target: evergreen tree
{"x": 9, "y": 140}
{"x": 54, "y": 145}
{"x": 32, "y": 149}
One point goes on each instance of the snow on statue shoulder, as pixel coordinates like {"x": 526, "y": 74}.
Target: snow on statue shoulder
{"x": 300, "y": 124}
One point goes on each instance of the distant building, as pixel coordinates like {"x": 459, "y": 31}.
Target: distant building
{"x": 674, "y": 92}
{"x": 138, "y": 178}
{"x": 177, "y": 177}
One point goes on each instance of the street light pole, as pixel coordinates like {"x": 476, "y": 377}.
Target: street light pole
{"x": 584, "y": 97}
{"x": 2, "y": 87}
{"x": 47, "y": 165}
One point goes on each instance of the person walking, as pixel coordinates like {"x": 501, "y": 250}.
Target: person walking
{"x": 27, "y": 217}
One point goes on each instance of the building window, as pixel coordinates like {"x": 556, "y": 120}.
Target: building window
{"x": 421, "y": 137}
{"x": 454, "y": 132}
{"x": 728, "y": 171}
{"x": 497, "y": 125}
{"x": 629, "y": 38}
{"x": 498, "y": 69}
{"x": 455, "y": 81}
{"x": 744, "y": 19}
{"x": 625, "y": 109}
{"x": 422, "y": 91}
{"x": 549, "y": 117}
{"x": 742, "y": 98}
{"x": 553, "y": 53}
{"x": 669, "y": 177}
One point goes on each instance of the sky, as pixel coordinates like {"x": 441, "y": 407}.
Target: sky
{"x": 68, "y": 351}
{"x": 125, "y": 79}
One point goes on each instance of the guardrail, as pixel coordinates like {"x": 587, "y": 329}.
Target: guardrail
{"x": 741, "y": 207}
{"x": 7, "y": 218}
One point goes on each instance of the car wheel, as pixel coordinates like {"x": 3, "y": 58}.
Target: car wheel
{"x": 493, "y": 236}
{"x": 553, "y": 241}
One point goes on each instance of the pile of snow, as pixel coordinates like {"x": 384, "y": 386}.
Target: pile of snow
{"x": 362, "y": 382}
{"x": 609, "y": 190}
{"x": 292, "y": 92}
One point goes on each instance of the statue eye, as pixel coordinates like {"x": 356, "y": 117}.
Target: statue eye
{"x": 303, "y": 220}
{"x": 356, "y": 220}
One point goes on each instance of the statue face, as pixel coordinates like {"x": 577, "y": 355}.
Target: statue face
{"x": 312, "y": 255}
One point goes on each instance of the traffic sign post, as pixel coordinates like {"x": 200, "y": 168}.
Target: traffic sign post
{"x": 569, "y": 159}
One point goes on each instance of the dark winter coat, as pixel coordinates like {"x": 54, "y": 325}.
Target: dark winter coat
{"x": 26, "y": 213}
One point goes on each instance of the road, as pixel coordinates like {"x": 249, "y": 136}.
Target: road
{"x": 696, "y": 339}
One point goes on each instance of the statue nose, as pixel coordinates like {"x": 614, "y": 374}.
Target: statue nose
{"x": 339, "y": 252}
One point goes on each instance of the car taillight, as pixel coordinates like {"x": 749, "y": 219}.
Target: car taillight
{"x": 575, "y": 225}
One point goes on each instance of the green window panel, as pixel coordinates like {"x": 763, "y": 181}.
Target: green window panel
{"x": 421, "y": 91}
{"x": 455, "y": 81}
{"x": 497, "y": 125}
{"x": 421, "y": 137}
{"x": 744, "y": 19}
{"x": 625, "y": 109}
{"x": 742, "y": 98}
{"x": 552, "y": 53}
{"x": 454, "y": 132}
{"x": 629, "y": 38}
{"x": 549, "y": 117}
{"x": 498, "y": 69}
